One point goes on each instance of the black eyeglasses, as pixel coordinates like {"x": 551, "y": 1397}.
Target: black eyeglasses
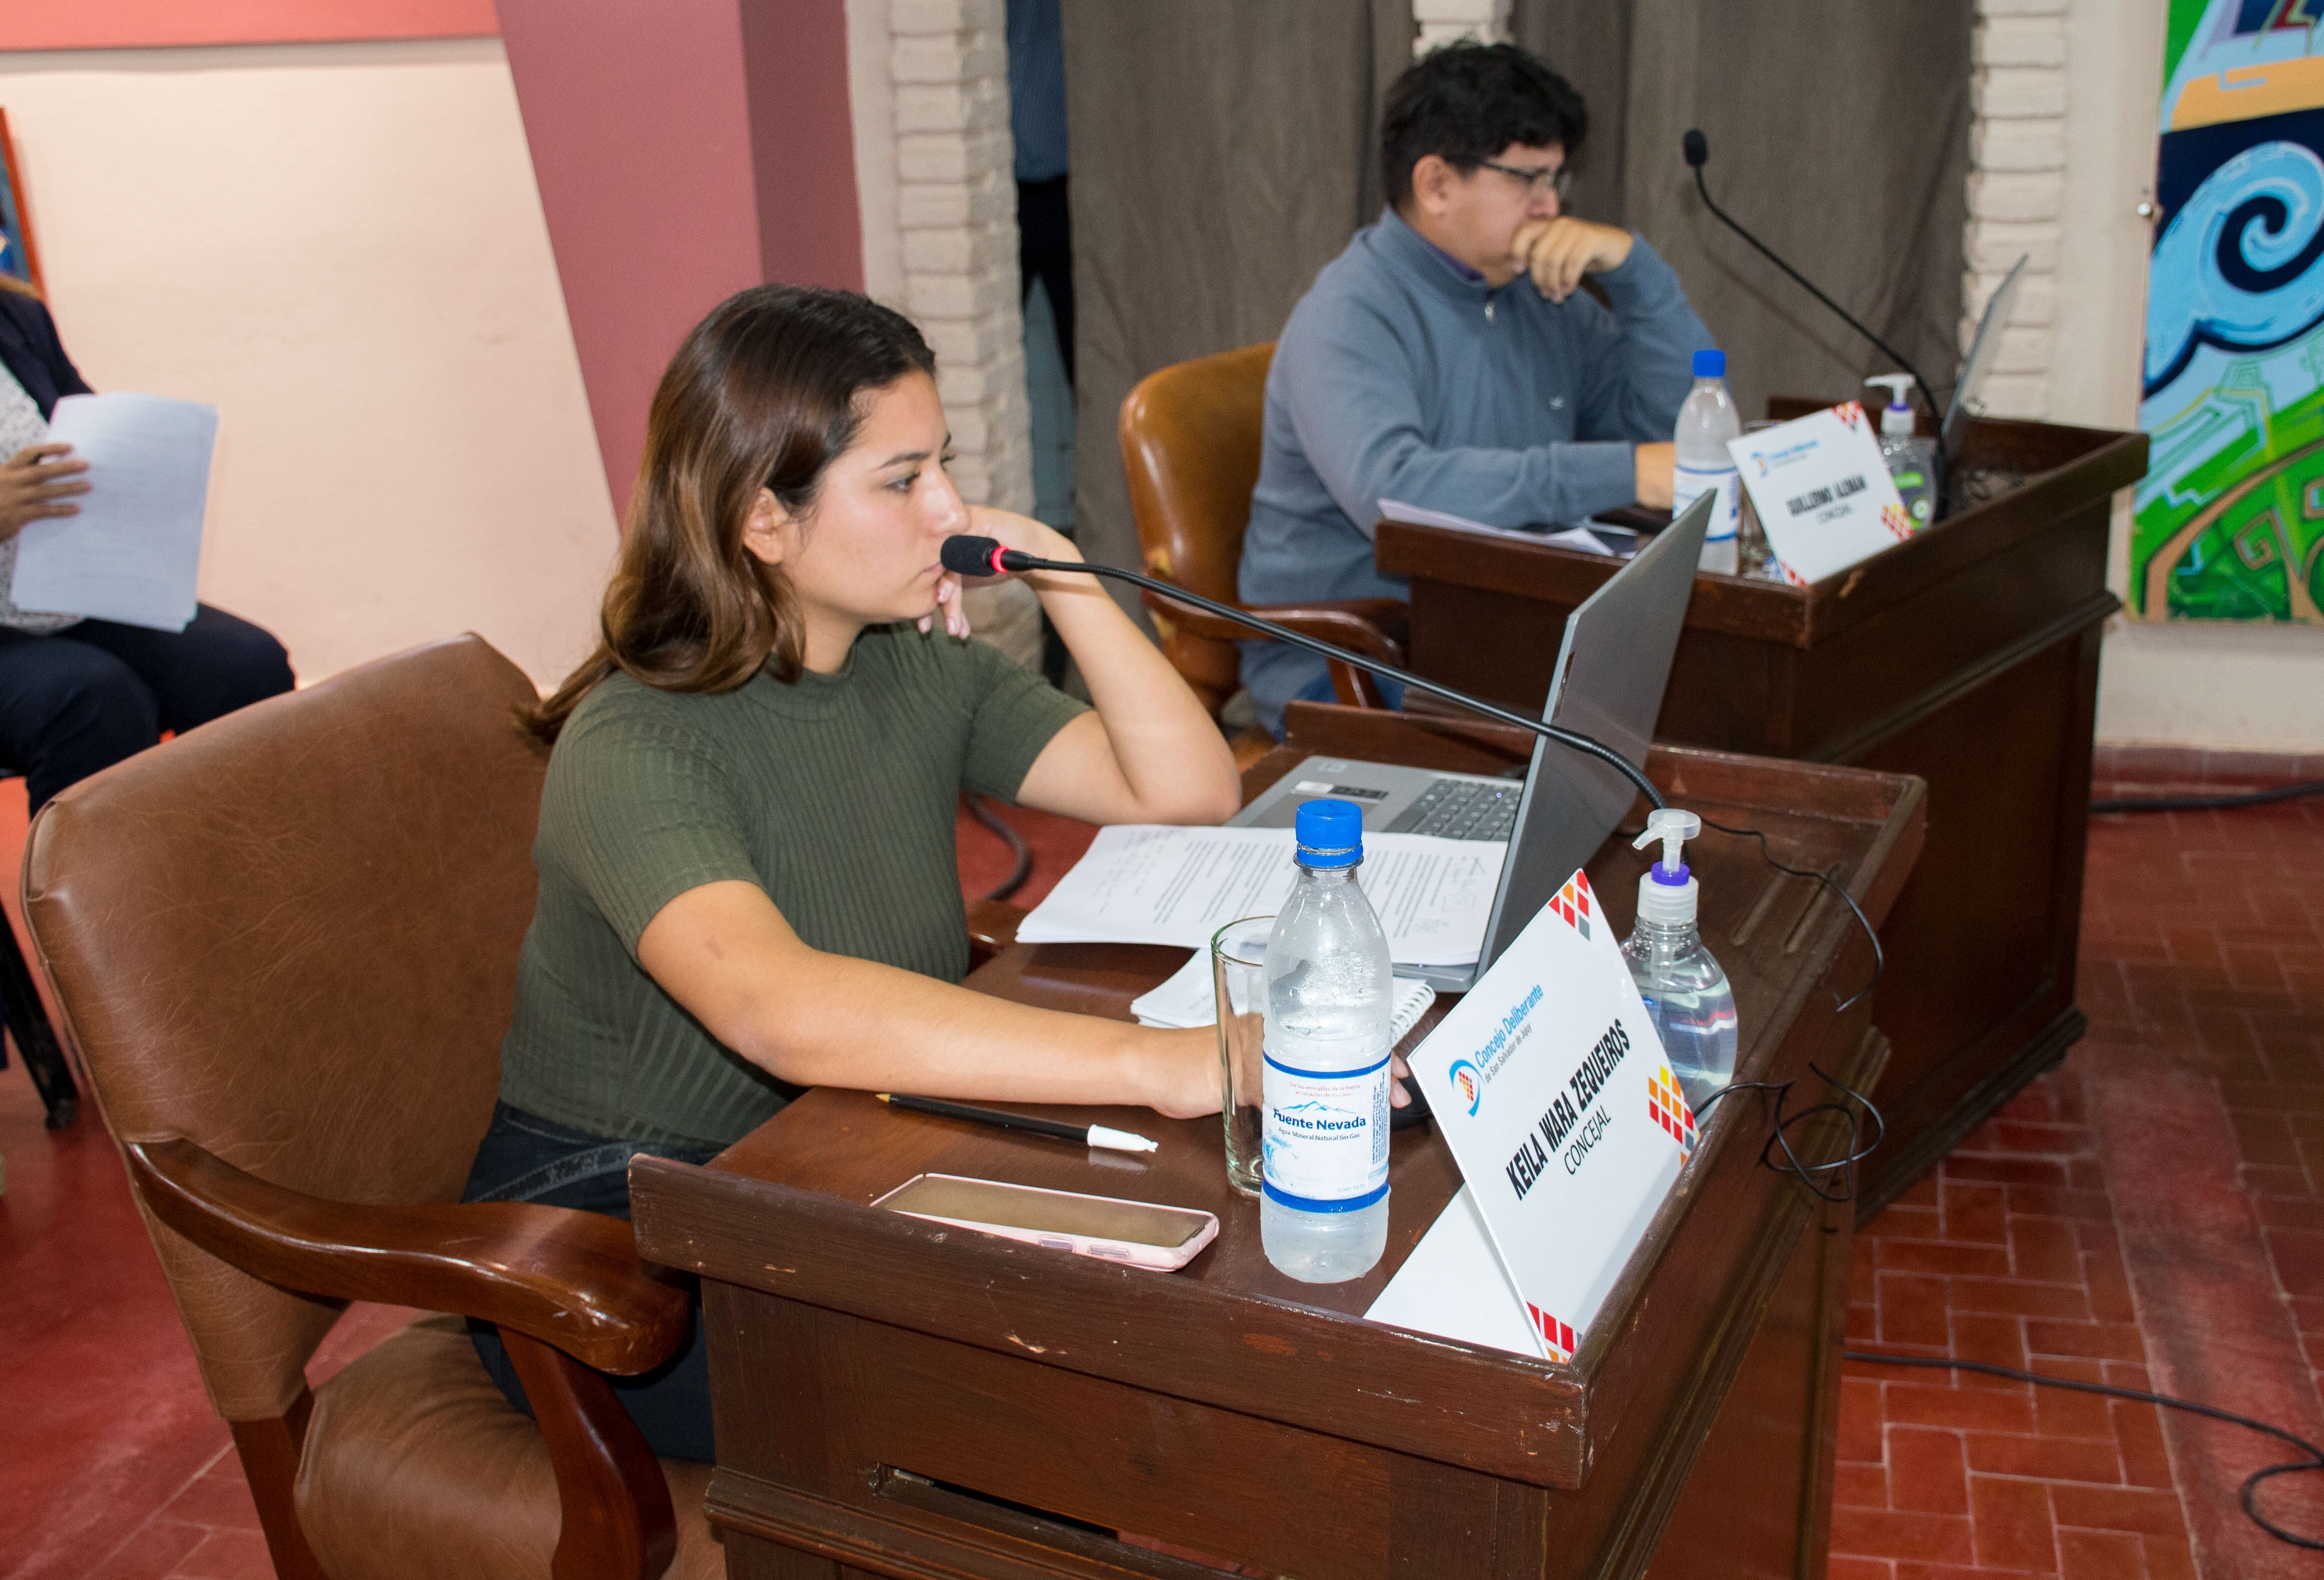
{"x": 1556, "y": 182}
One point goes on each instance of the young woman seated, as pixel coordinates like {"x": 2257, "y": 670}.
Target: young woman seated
{"x": 748, "y": 883}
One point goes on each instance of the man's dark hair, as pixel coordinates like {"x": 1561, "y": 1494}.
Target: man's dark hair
{"x": 1465, "y": 103}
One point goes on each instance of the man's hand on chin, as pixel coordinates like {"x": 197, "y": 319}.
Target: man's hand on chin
{"x": 1558, "y": 252}
{"x": 1656, "y": 465}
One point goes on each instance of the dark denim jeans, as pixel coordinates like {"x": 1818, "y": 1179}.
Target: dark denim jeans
{"x": 527, "y": 1158}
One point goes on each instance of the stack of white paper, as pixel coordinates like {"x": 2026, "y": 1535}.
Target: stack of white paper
{"x": 1579, "y": 538}
{"x": 1190, "y": 998}
{"x": 1142, "y": 883}
{"x": 134, "y": 551}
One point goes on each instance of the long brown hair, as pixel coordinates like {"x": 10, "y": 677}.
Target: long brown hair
{"x": 765, "y": 393}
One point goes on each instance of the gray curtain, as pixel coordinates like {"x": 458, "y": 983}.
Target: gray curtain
{"x": 1839, "y": 134}
{"x": 1222, "y": 153}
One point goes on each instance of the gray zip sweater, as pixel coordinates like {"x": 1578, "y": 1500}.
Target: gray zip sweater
{"x": 1401, "y": 376}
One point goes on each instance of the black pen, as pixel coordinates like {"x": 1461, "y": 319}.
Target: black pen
{"x": 1090, "y": 1135}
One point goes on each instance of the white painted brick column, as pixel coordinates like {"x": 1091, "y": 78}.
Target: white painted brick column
{"x": 2016, "y": 189}
{"x": 1440, "y": 21}
{"x": 956, "y": 215}
{"x": 955, "y": 208}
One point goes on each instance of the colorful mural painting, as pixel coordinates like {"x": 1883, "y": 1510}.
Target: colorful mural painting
{"x": 2230, "y": 522}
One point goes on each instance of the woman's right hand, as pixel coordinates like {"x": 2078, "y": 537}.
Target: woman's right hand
{"x": 34, "y": 484}
{"x": 1182, "y": 1078}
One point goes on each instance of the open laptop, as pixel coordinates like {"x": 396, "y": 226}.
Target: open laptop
{"x": 1967, "y": 397}
{"x": 1608, "y": 684}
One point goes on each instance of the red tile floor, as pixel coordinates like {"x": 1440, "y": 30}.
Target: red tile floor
{"x": 2147, "y": 1214}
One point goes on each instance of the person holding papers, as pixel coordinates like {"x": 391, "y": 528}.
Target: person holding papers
{"x": 77, "y": 695}
{"x": 1450, "y": 357}
{"x": 748, "y": 883}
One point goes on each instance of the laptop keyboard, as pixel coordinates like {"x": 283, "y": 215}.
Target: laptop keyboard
{"x": 1462, "y": 809}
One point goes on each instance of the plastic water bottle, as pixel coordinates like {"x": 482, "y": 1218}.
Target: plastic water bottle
{"x": 1705, "y": 423}
{"x": 1322, "y": 1211}
{"x": 1685, "y": 990}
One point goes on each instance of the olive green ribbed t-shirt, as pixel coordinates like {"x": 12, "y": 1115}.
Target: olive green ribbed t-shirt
{"x": 837, "y": 794}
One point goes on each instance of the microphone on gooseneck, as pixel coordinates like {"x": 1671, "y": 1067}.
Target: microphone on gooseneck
{"x": 966, "y": 555}
{"x": 1696, "y": 148}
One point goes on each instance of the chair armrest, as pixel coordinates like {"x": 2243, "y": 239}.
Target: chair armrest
{"x": 1373, "y": 627}
{"x": 571, "y": 1280}
{"x": 992, "y": 928}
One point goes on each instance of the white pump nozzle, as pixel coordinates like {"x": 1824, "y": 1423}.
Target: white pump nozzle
{"x": 1896, "y": 416}
{"x": 1673, "y": 827}
{"x": 1666, "y": 891}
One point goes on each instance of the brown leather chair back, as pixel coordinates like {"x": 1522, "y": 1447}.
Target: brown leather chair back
{"x": 1190, "y": 442}
{"x": 291, "y": 937}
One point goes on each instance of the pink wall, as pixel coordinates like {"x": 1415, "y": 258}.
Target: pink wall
{"x": 125, "y": 24}
{"x": 684, "y": 150}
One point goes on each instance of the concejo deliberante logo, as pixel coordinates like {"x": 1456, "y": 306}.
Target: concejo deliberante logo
{"x": 1468, "y": 1083}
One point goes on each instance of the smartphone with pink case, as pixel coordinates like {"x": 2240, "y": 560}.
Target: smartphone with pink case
{"x": 1135, "y": 1233}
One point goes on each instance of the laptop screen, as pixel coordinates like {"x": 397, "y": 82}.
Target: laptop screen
{"x": 1611, "y": 672}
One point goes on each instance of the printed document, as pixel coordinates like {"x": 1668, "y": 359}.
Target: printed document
{"x": 1190, "y": 997}
{"x": 1144, "y": 883}
{"x": 1579, "y": 538}
{"x": 134, "y": 551}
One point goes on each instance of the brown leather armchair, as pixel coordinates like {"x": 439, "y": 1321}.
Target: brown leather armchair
{"x": 287, "y": 944}
{"x": 1190, "y": 442}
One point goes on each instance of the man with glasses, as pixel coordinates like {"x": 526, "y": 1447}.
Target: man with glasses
{"x": 1449, "y": 357}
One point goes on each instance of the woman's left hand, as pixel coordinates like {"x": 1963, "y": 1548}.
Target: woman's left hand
{"x": 949, "y": 605}
{"x": 1023, "y": 533}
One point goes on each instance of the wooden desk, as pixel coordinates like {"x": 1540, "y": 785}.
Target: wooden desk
{"x": 1968, "y": 656}
{"x": 899, "y": 1399}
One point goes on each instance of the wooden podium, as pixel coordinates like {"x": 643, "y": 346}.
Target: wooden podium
{"x": 1968, "y": 656}
{"x": 895, "y": 1398}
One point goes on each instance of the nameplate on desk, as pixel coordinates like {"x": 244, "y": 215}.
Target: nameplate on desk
{"x": 1822, "y": 493}
{"x": 1549, "y": 1084}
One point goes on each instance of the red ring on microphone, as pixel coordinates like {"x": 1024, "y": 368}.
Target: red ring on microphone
{"x": 998, "y": 569}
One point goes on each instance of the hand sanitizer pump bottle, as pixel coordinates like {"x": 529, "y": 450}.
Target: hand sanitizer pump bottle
{"x": 1705, "y": 424}
{"x": 1323, "y": 1210}
{"x": 1685, "y": 991}
{"x": 1912, "y": 462}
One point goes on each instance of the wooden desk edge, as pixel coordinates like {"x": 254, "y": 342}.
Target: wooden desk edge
{"x": 1497, "y": 1412}
{"x": 1773, "y": 612}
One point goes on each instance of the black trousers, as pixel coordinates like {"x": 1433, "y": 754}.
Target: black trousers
{"x": 87, "y": 696}
{"x": 1045, "y": 252}
{"x": 527, "y": 1158}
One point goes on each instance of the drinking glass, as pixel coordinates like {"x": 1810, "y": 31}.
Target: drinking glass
{"x": 1239, "y": 977}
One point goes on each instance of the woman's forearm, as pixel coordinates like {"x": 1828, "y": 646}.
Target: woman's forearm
{"x": 727, "y": 954}
{"x": 1151, "y": 753}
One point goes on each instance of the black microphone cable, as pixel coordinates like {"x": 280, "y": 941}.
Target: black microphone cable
{"x": 966, "y": 555}
{"x": 1697, "y": 149}
{"x": 2245, "y": 1494}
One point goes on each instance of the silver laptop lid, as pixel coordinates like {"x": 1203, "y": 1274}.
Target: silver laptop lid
{"x": 1969, "y": 393}
{"x": 1611, "y": 671}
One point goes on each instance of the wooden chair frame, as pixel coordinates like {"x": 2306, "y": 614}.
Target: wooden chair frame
{"x": 566, "y": 1288}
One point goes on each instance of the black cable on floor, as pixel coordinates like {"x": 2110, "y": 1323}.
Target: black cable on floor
{"x": 2315, "y": 1460}
{"x": 2211, "y": 803}
{"x": 982, "y": 813}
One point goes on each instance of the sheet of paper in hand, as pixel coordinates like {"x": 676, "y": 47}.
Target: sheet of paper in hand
{"x": 1550, "y": 1086}
{"x": 134, "y": 551}
{"x": 1823, "y": 491}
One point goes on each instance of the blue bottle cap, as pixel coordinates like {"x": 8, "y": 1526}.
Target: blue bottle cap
{"x": 1710, "y": 364}
{"x": 1331, "y": 833}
